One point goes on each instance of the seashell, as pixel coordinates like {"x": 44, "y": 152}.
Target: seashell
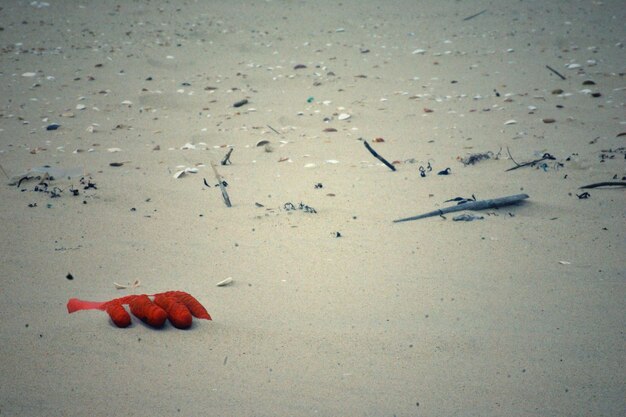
{"x": 29, "y": 74}
{"x": 343, "y": 116}
{"x": 127, "y": 103}
{"x": 262, "y": 143}
{"x": 80, "y": 107}
{"x": 419, "y": 52}
{"x": 510, "y": 122}
{"x": 225, "y": 282}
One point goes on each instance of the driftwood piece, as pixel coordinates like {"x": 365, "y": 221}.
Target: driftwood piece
{"x": 470, "y": 205}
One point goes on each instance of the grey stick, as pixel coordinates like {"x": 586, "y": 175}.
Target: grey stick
{"x": 471, "y": 205}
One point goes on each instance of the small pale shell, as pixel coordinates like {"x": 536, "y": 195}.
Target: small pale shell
{"x": 225, "y": 282}
{"x": 343, "y": 116}
{"x": 510, "y": 122}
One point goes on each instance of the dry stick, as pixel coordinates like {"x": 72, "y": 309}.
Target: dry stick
{"x": 226, "y": 159}
{"x": 220, "y": 182}
{"x": 474, "y": 15}
{"x": 380, "y": 158}
{"x": 604, "y": 184}
{"x": 546, "y": 157}
{"x": 276, "y": 131}
{"x": 561, "y": 76}
{"x": 471, "y": 205}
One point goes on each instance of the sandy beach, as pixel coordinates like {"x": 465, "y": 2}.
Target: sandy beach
{"x": 333, "y": 309}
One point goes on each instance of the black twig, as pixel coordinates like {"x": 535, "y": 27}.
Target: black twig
{"x": 604, "y": 184}
{"x": 561, "y": 76}
{"x": 380, "y": 158}
{"x": 546, "y": 157}
{"x": 226, "y": 159}
{"x": 275, "y": 131}
{"x": 474, "y": 15}
{"x": 511, "y": 156}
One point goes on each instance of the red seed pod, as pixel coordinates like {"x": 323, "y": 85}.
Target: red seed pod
{"x": 146, "y": 310}
{"x": 118, "y": 314}
{"x": 194, "y": 306}
{"x": 178, "y": 314}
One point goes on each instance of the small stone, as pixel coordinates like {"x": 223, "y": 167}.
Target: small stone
{"x": 548, "y": 120}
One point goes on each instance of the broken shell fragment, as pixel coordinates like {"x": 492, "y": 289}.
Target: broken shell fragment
{"x": 225, "y": 282}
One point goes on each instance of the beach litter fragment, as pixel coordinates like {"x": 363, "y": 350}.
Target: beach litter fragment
{"x": 177, "y": 306}
{"x": 470, "y": 205}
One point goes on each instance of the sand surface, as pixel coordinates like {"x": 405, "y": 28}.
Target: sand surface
{"x": 335, "y": 313}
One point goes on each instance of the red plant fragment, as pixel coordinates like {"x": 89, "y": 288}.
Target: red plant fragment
{"x": 177, "y": 313}
{"x": 178, "y": 306}
{"x": 146, "y": 310}
{"x": 194, "y": 306}
{"x": 118, "y": 314}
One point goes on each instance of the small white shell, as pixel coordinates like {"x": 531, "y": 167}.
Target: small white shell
{"x": 225, "y": 282}
{"x": 510, "y": 122}
{"x": 343, "y": 116}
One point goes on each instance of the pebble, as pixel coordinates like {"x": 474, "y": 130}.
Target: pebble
{"x": 548, "y": 120}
